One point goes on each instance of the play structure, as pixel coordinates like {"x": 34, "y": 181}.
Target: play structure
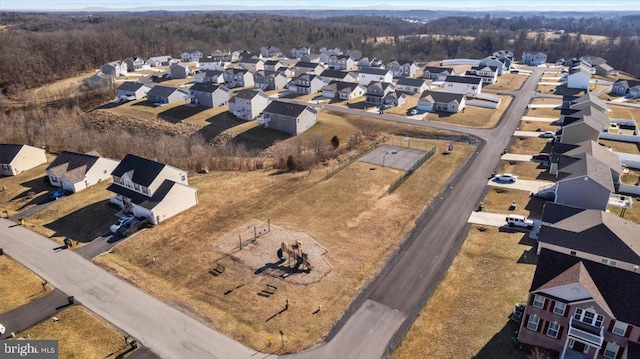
{"x": 294, "y": 253}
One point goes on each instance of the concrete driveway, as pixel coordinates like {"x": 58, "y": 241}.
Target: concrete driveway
{"x": 521, "y": 184}
{"x": 527, "y": 134}
{"x": 516, "y": 157}
{"x": 539, "y": 119}
{"x": 499, "y": 220}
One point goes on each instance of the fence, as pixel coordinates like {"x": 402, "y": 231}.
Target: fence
{"x": 351, "y": 158}
{"x": 410, "y": 142}
{"x": 410, "y": 171}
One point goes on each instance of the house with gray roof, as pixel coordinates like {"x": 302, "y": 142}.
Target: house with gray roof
{"x": 270, "y": 80}
{"x": 251, "y": 64}
{"x": 114, "y": 68}
{"x": 314, "y": 58}
{"x": 463, "y": 84}
{"x": 210, "y": 76}
{"x": 238, "y": 78}
{"x": 584, "y": 129}
{"x": 15, "y": 159}
{"x": 192, "y": 56}
{"x": 437, "y": 73}
{"x": 411, "y": 85}
{"x": 488, "y": 74}
{"x": 129, "y": 91}
{"x": 151, "y": 189}
{"x": 288, "y": 117}
{"x": 500, "y": 63}
{"x": 568, "y": 116}
{"x": 591, "y": 147}
{"x": 164, "y": 60}
{"x": 301, "y": 68}
{"x": 272, "y": 65}
{"x": 135, "y": 63}
{"x": 180, "y": 71}
{"x": 579, "y": 77}
{"x": 209, "y": 95}
{"x": 166, "y": 94}
{"x": 306, "y": 84}
{"x": 370, "y": 62}
{"x": 248, "y": 104}
{"x": 534, "y": 58}
{"x": 338, "y": 75}
{"x": 432, "y": 101}
{"x": 341, "y": 62}
{"x": 76, "y": 171}
{"x": 270, "y": 51}
{"x": 627, "y": 88}
{"x": 298, "y": 52}
{"x": 343, "y": 90}
{"x": 368, "y": 75}
{"x": 402, "y": 68}
{"x": 377, "y": 91}
{"x": 586, "y": 100}
{"x": 581, "y": 174}
{"x": 599, "y": 65}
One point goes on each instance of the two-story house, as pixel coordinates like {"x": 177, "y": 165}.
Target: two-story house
{"x": 270, "y": 80}
{"x": 288, "y": 117}
{"x": 341, "y": 62}
{"x": 180, "y": 71}
{"x": 238, "y": 78}
{"x": 76, "y": 171}
{"x": 248, "y": 104}
{"x": 377, "y": 91}
{"x": 463, "y": 84}
{"x": 579, "y": 77}
{"x": 337, "y": 75}
{"x": 251, "y": 64}
{"x": 270, "y": 51}
{"x": 301, "y": 68}
{"x": 628, "y": 88}
{"x": 135, "y": 63}
{"x": 437, "y": 73}
{"x": 191, "y": 56}
{"x": 370, "y": 62}
{"x": 272, "y": 65}
{"x": 402, "y": 68}
{"x": 488, "y": 74}
{"x": 212, "y": 63}
{"x": 298, "y": 52}
{"x": 209, "y": 95}
{"x": 411, "y": 85}
{"x": 151, "y": 189}
{"x": 15, "y": 159}
{"x": 114, "y": 68}
{"x": 306, "y": 84}
{"x": 343, "y": 90}
{"x": 166, "y": 94}
{"x": 210, "y": 76}
{"x": 368, "y": 75}
{"x": 534, "y": 58}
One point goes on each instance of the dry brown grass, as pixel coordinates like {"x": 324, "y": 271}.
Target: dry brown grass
{"x": 56, "y": 88}
{"x": 549, "y": 35}
{"x": 631, "y": 177}
{"x": 508, "y": 82}
{"x": 535, "y": 125}
{"x": 412, "y": 101}
{"x": 543, "y": 112}
{"x": 626, "y": 147}
{"x": 345, "y": 214}
{"x": 499, "y": 200}
{"x": 18, "y": 285}
{"x": 24, "y": 190}
{"x": 530, "y": 145}
{"x": 80, "y": 334}
{"x": 467, "y": 315}
{"x": 472, "y": 116}
{"x": 143, "y": 109}
{"x": 527, "y": 170}
{"x": 546, "y": 100}
{"x": 625, "y": 112}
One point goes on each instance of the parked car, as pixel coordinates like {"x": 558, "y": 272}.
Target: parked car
{"x": 58, "y": 193}
{"x": 2, "y": 329}
{"x": 514, "y": 220}
{"x": 133, "y": 226}
{"x": 120, "y": 222}
{"x": 547, "y": 134}
{"x": 413, "y": 112}
{"x": 506, "y": 177}
{"x": 542, "y": 157}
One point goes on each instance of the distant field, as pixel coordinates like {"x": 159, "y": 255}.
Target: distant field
{"x": 586, "y": 38}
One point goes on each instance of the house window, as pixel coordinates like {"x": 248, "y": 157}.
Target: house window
{"x": 573, "y": 253}
{"x": 559, "y": 308}
{"x": 553, "y": 330}
{"x": 611, "y": 350}
{"x": 588, "y": 316}
{"x": 533, "y": 322}
{"x": 538, "y": 301}
{"x": 620, "y": 328}
{"x": 183, "y": 177}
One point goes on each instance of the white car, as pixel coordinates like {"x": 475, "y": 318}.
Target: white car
{"x": 2, "y": 329}
{"x": 119, "y": 223}
{"x": 506, "y": 177}
{"x": 514, "y": 220}
{"x": 547, "y": 134}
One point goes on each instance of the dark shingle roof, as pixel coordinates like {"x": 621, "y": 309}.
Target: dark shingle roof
{"x": 441, "y": 97}
{"x": 142, "y": 200}
{"x": 164, "y": 91}
{"x": 8, "y": 152}
{"x": 249, "y": 94}
{"x": 69, "y": 161}
{"x": 287, "y": 109}
{"x": 619, "y": 288}
{"x": 130, "y": 86}
{"x": 334, "y": 73}
{"x": 464, "y": 79}
{"x": 437, "y": 70}
{"x": 584, "y": 164}
{"x": 249, "y": 60}
{"x": 627, "y": 83}
{"x": 144, "y": 171}
{"x": 202, "y": 87}
{"x": 311, "y": 65}
{"x": 373, "y": 71}
{"x": 406, "y": 81}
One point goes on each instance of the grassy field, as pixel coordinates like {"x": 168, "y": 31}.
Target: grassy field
{"x": 24, "y": 190}
{"x": 630, "y": 113}
{"x": 530, "y": 145}
{"x": 467, "y": 316}
{"x": 80, "y": 334}
{"x": 535, "y": 125}
{"x": 626, "y": 147}
{"x": 472, "y": 116}
{"x": 527, "y": 170}
{"x": 499, "y": 200}
{"x": 546, "y": 100}
{"x": 346, "y": 214}
{"x": 18, "y": 285}
{"x": 508, "y": 82}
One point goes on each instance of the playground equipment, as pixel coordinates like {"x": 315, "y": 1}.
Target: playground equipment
{"x": 294, "y": 253}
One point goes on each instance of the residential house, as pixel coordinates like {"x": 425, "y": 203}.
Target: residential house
{"x": 179, "y": 71}
{"x": 114, "y": 68}
{"x": 402, "y": 68}
{"x": 191, "y": 56}
{"x": 506, "y": 57}
{"x": 411, "y": 85}
{"x": 584, "y": 129}
{"x": 498, "y": 63}
{"x": 76, "y": 171}
{"x": 432, "y": 101}
{"x": 488, "y": 74}
{"x": 437, "y": 73}
{"x": 591, "y": 147}
{"x": 315, "y": 58}
{"x": 212, "y": 63}
{"x": 394, "y": 99}
{"x": 368, "y": 75}
{"x": 15, "y": 159}
{"x": 627, "y": 88}
{"x": 306, "y": 84}
{"x": 343, "y": 90}
{"x": 238, "y": 78}
{"x": 373, "y": 62}
{"x": 581, "y": 174}
{"x": 270, "y": 80}
{"x": 288, "y": 117}
{"x": 337, "y": 75}
{"x": 238, "y": 55}
{"x": 270, "y": 51}
{"x": 599, "y": 65}
{"x": 286, "y": 71}
{"x": 210, "y": 76}
{"x": 165, "y": 60}
{"x": 129, "y": 91}
{"x": 354, "y": 54}
{"x": 587, "y": 100}
{"x": 298, "y": 52}
{"x": 223, "y": 56}
{"x": 166, "y": 94}
{"x": 341, "y": 62}
{"x": 272, "y": 65}
{"x": 135, "y": 63}
{"x": 377, "y": 91}
{"x": 209, "y": 95}
{"x": 326, "y": 53}
{"x": 534, "y": 58}
{"x": 99, "y": 80}
{"x": 251, "y": 64}
{"x": 248, "y": 104}
{"x": 151, "y": 189}
{"x": 302, "y": 68}
{"x": 463, "y": 84}
{"x": 579, "y": 77}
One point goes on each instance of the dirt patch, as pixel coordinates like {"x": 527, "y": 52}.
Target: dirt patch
{"x": 259, "y": 254}
{"x": 106, "y": 120}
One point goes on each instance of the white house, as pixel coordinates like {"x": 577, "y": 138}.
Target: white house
{"x": 368, "y": 75}
{"x": 192, "y": 56}
{"x": 114, "y": 68}
{"x": 488, "y": 74}
{"x": 432, "y": 101}
{"x": 534, "y": 58}
{"x": 411, "y": 85}
{"x": 248, "y": 104}
{"x": 151, "y": 189}
{"x": 343, "y": 90}
{"x": 463, "y": 84}
{"x": 579, "y": 77}
{"x": 76, "y": 171}
{"x": 130, "y": 91}
{"x": 16, "y": 159}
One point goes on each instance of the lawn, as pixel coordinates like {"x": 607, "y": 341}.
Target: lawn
{"x": 24, "y": 190}
{"x": 624, "y": 112}
{"x": 530, "y": 145}
{"x": 527, "y": 170}
{"x": 618, "y": 146}
{"x": 348, "y": 215}
{"x": 467, "y": 316}
{"x": 560, "y": 90}
{"x": 499, "y": 200}
{"x": 80, "y": 334}
{"x": 412, "y": 102}
{"x": 546, "y": 100}
{"x": 535, "y": 125}
{"x": 508, "y": 82}
{"x": 472, "y": 116}
{"x": 18, "y": 285}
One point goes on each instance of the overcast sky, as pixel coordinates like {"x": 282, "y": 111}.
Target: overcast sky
{"x": 468, "y": 5}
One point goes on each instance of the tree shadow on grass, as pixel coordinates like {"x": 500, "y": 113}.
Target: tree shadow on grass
{"x": 504, "y": 344}
{"x": 218, "y": 124}
{"x": 179, "y": 113}
{"x": 260, "y": 138}
{"x": 145, "y": 103}
{"x": 360, "y": 105}
{"x": 85, "y": 224}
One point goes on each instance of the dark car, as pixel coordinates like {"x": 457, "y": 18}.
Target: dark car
{"x": 133, "y": 226}
{"x": 541, "y": 157}
{"x": 59, "y": 193}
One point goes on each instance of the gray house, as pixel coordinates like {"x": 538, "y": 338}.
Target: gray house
{"x": 179, "y": 71}
{"x": 167, "y": 94}
{"x": 114, "y": 68}
{"x": 599, "y": 65}
{"x": 270, "y": 51}
{"x": 341, "y": 62}
{"x": 298, "y": 52}
{"x": 534, "y": 58}
{"x": 302, "y": 68}
{"x": 580, "y": 175}
{"x": 270, "y": 80}
{"x": 248, "y": 104}
{"x": 402, "y": 68}
{"x": 628, "y": 88}
{"x": 210, "y": 76}
{"x": 209, "y": 95}
{"x": 289, "y": 117}
{"x": 437, "y": 73}
{"x": 306, "y": 84}
{"x": 377, "y": 91}
{"x": 494, "y": 61}
{"x": 238, "y": 78}
{"x": 251, "y": 64}
{"x": 129, "y": 91}
{"x": 584, "y": 129}
{"x": 134, "y": 63}
{"x": 272, "y": 65}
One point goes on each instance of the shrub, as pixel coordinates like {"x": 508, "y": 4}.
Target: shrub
{"x": 335, "y": 142}
{"x": 291, "y": 163}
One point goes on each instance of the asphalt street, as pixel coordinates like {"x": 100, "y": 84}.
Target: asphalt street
{"x": 30, "y": 314}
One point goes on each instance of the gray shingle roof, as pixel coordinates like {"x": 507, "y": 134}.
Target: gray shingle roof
{"x": 438, "y": 70}
{"x": 373, "y": 71}
{"x": 441, "y": 97}
{"x": 249, "y": 94}
{"x": 202, "y": 87}
{"x": 464, "y": 79}
{"x": 584, "y": 164}
{"x": 407, "y": 81}
{"x": 69, "y": 161}
{"x": 310, "y": 65}
{"x": 8, "y": 152}
{"x": 287, "y": 109}
{"x": 131, "y": 86}
{"x": 144, "y": 171}
{"x": 164, "y": 91}
{"x": 142, "y": 200}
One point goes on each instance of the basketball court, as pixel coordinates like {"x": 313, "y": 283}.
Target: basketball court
{"x": 401, "y": 158}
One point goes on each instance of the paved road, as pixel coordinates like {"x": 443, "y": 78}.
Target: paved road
{"x": 165, "y": 330}
{"x": 30, "y": 314}
{"x": 100, "y": 245}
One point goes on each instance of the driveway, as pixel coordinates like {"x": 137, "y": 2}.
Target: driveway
{"x": 499, "y": 220}
{"x": 540, "y": 119}
{"x": 516, "y": 157}
{"x": 521, "y": 184}
{"x": 527, "y": 134}
{"x": 101, "y": 245}
{"x": 30, "y": 314}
